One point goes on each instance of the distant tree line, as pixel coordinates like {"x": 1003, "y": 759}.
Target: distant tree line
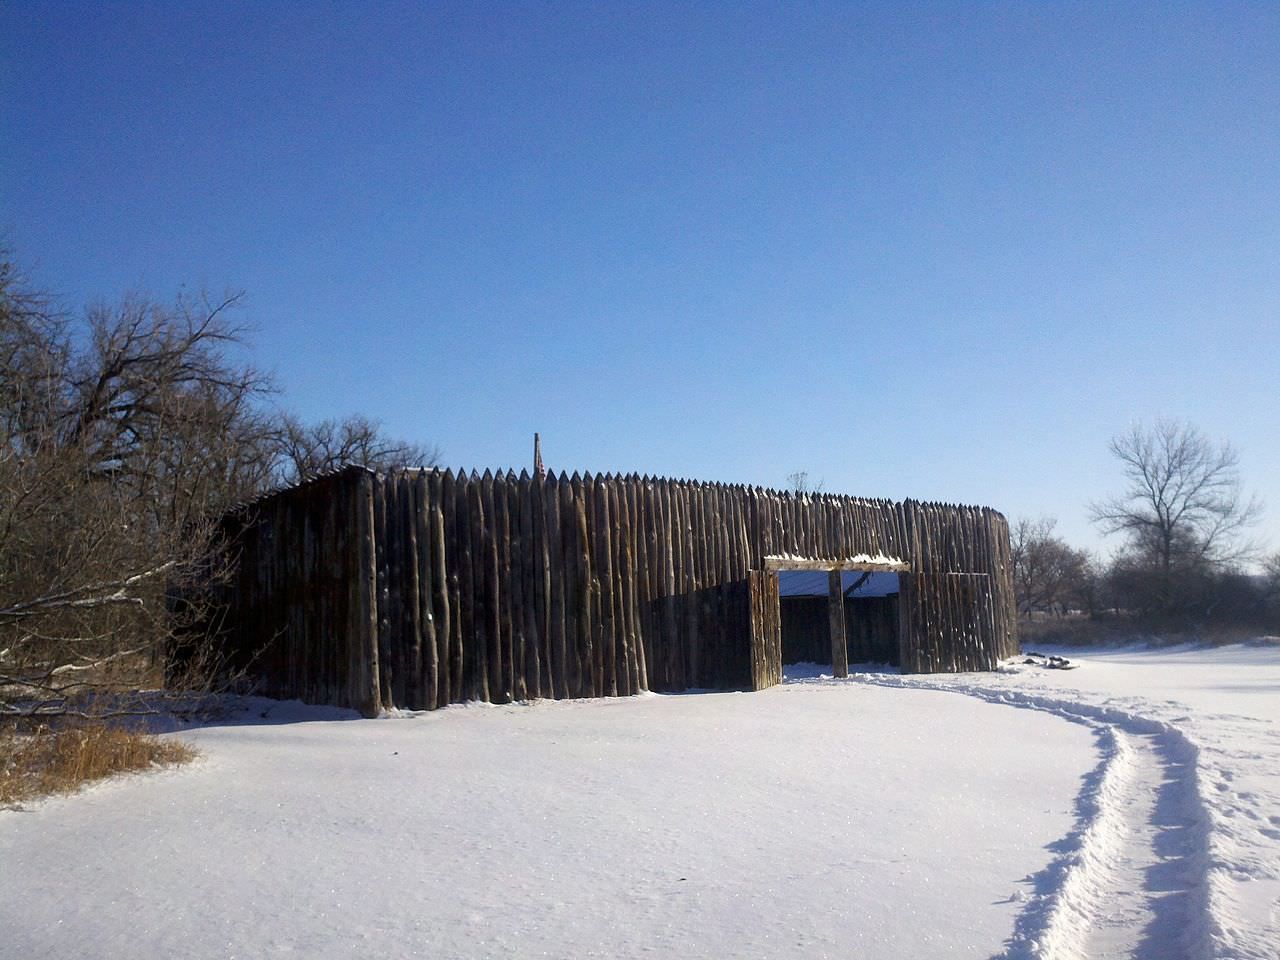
{"x": 123, "y": 431}
{"x": 1186, "y": 560}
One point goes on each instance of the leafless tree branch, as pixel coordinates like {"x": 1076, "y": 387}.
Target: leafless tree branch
{"x": 1182, "y": 509}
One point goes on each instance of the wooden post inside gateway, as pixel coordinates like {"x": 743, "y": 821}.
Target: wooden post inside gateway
{"x": 837, "y": 629}
{"x": 835, "y": 618}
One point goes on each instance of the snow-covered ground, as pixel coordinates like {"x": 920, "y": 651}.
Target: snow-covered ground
{"x": 1179, "y": 855}
{"x": 1127, "y": 808}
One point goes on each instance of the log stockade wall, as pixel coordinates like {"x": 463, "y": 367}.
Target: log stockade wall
{"x": 419, "y": 588}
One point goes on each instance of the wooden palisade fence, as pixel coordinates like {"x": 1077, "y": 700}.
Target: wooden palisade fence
{"x": 421, "y": 588}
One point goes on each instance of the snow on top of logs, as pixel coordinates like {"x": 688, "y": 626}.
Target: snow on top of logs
{"x": 861, "y": 561}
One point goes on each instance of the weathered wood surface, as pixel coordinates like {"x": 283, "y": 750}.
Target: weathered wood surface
{"x": 765, "y": 630}
{"x": 835, "y": 615}
{"x": 422, "y": 588}
{"x": 297, "y": 607}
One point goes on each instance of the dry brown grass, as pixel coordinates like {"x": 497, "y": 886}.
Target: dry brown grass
{"x": 48, "y": 761}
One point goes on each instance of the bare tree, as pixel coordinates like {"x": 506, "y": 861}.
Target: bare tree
{"x": 309, "y": 450}
{"x": 124, "y": 434}
{"x": 1048, "y": 574}
{"x": 800, "y": 483}
{"x": 1183, "y": 509}
{"x": 117, "y": 436}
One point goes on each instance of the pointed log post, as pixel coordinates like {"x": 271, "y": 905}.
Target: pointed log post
{"x": 835, "y": 617}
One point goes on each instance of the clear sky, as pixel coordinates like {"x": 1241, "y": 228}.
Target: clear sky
{"x": 938, "y": 251}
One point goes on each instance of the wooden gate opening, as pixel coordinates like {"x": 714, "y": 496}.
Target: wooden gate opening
{"x": 839, "y": 612}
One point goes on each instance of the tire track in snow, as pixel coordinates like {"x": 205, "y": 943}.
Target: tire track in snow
{"x": 1132, "y": 879}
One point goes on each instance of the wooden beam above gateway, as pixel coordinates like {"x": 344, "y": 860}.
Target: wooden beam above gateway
{"x": 864, "y": 563}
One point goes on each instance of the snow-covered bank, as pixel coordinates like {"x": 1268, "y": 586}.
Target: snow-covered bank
{"x": 805, "y": 821}
{"x": 1181, "y": 856}
{"x": 1127, "y": 808}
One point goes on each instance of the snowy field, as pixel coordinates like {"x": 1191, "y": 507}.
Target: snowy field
{"x": 1127, "y": 808}
{"x": 1178, "y": 854}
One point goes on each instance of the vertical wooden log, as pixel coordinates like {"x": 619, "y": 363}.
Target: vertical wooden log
{"x": 589, "y": 674}
{"x": 558, "y": 629}
{"x": 714, "y": 625}
{"x": 513, "y": 589}
{"x": 705, "y": 631}
{"x": 935, "y": 611}
{"x": 449, "y": 566}
{"x": 606, "y": 625}
{"x": 723, "y": 502}
{"x": 411, "y": 587}
{"x": 286, "y": 573}
{"x": 498, "y": 690}
{"x": 397, "y": 645}
{"x": 751, "y": 544}
{"x": 538, "y": 601}
{"x": 646, "y": 540}
{"x": 689, "y": 586}
{"x": 430, "y": 533}
{"x": 500, "y": 576}
{"x": 632, "y": 585}
{"x": 679, "y": 588}
{"x": 386, "y": 662}
{"x": 397, "y": 641}
{"x": 363, "y": 665}
{"x": 569, "y": 679}
{"x": 835, "y": 617}
{"x": 645, "y": 595}
{"x": 673, "y": 660}
{"x": 410, "y": 611}
{"x": 798, "y": 542}
{"x": 736, "y": 566}
{"x": 522, "y": 586}
{"x": 617, "y": 538}
{"x": 475, "y": 644}
{"x": 624, "y": 666}
{"x": 643, "y": 580}
{"x": 551, "y": 564}
{"x": 906, "y": 660}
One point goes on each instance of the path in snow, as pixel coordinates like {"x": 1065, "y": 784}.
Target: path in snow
{"x": 1177, "y": 848}
{"x": 1147, "y": 885}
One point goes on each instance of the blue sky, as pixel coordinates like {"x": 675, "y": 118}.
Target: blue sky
{"x": 942, "y": 251}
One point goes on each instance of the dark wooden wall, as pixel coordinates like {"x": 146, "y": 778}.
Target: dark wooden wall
{"x": 872, "y": 624}
{"x": 504, "y": 587}
{"x": 297, "y": 609}
{"x": 806, "y": 631}
{"x": 871, "y": 629}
